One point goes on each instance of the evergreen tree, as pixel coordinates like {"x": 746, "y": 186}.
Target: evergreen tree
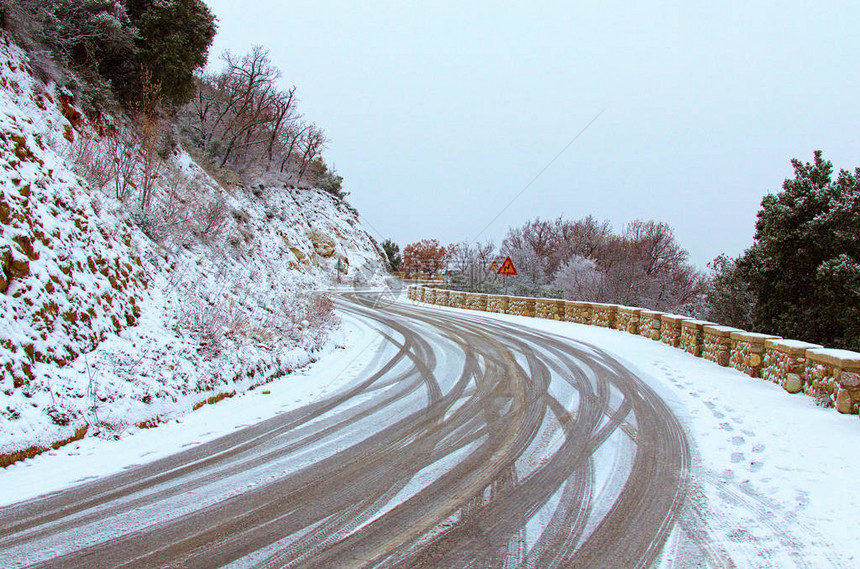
{"x": 729, "y": 299}
{"x": 804, "y": 264}
{"x": 117, "y": 42}
{"x": 392, "y": 253}
{"x": 174, "y": 39}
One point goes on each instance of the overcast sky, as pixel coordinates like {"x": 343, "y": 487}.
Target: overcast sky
{"x": 439, "y": 113}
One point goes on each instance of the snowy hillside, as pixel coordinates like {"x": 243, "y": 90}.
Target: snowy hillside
{"x": 118, "y": 312}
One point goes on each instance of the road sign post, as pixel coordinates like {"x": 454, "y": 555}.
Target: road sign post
{"x": 507, "y": 269}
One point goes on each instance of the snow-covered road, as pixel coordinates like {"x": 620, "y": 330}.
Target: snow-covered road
{"x": 447, "y": 438}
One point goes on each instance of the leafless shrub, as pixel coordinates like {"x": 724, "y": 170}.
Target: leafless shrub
{"x": 91, "y": 160}
{"x": 60, "y": 417}
{"x": 307, "y": 319}
{"x": 206, "y": 323}
{"x": 212, "y": 216}
{"x": 178, "y": 187}
{"x": 46, "y": 70}
{"x": 125, "y": 162}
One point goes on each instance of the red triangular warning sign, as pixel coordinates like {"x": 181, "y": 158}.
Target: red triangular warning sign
{"x": 494, "y": 267}
{"x": 508, "y": 267}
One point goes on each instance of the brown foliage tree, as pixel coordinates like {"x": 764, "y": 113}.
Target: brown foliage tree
{"x": 425, "y": 256}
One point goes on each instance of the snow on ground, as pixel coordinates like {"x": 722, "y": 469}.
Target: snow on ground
{"x": 770, "y": 469}
{"x": 114, "y": 313}
{"x": 765, "y": 461}
{"x": 95, "y": 457}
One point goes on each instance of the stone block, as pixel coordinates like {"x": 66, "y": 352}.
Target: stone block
{"x": 793, "y": 383}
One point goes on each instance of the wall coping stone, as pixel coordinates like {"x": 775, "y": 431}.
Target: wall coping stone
{"x": 720, "y": 331}
{"x": 754, "y": 337}
{"x": 696, "y": 324}
{"x": 843, "y": 359}
{"x": 790, "y": 347}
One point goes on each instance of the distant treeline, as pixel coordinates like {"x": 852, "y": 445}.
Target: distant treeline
{"x": 582, "y": 259}
{"x": 799, "y": 279}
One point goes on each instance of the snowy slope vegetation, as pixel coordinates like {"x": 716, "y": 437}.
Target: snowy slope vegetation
{"x": 117, "y": 313}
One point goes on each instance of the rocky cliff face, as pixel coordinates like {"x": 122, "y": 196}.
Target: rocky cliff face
{"x": 117, "y": 313}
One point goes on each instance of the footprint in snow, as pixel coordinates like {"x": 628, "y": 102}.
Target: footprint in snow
{"x": 758, "y": 448}
{"x": 719, "y": 415}
{"x": 737, "y": 457}
{"x": 738, "y": 441}
{"x": 726, "y": 427}
{"x": 755, "y": 466}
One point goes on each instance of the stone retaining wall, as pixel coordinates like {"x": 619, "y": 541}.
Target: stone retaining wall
{"x": 670, "y": 329}
{"x": 476, "y": 301}
{"x": 521, "y": 306}
{"x": 604, "y": 315}
{"x": 627, "y": 319}
{"x": 831, "y": 376}
{"x": 649, "y": 324}
{"x": 717, "y": 343}
{"x": 457, "y": 299}
{"x": 579, "y": 312}
{"x": 497, "y": 303}
{"x": 785, "y": 363}
{"x": 549, "y": 308}
{"x": 692, "y": 336}
{"x": 442, "y": 297}
{"x": 748, "y": 352}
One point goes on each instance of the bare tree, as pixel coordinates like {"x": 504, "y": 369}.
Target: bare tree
{"x": 313, "y": 143}
{"x": 242, "y": 121}
{"x": 294, "y": 136}
{"x": 283, "y": 112}
{"x": 644, "y": 266}
{"x": 581, "y": 279}
{"x": 531, "y": 247}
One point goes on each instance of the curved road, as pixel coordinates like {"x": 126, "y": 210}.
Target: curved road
{"x": 464, "y": 442}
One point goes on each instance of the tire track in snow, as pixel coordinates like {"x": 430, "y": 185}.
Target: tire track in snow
{"x": 337, "y": 510}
